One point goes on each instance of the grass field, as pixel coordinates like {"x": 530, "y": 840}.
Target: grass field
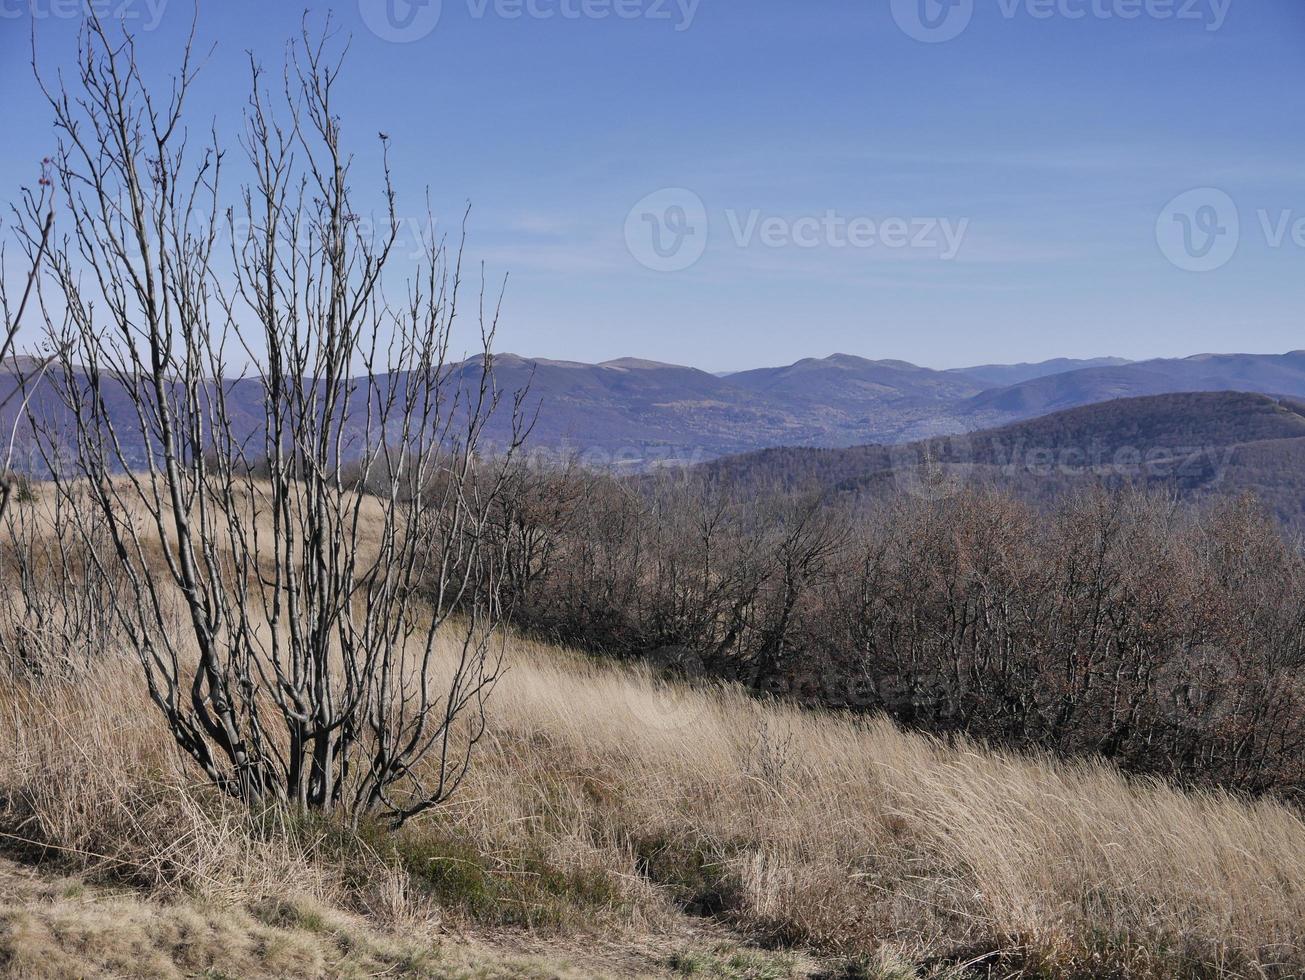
{"x": 616, "y": 825}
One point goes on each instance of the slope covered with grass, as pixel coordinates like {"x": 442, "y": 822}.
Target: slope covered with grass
{"x": 610, "y": 808}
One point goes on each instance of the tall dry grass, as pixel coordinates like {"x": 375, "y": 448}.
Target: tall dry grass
{"x": 849, "y": 834}
{"x": 605, "y": 800}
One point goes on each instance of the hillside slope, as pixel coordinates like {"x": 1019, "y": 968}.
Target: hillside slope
{"x": 608, "y": 809}
{"x": 1271, "y": 374}
{"x": 853, "y": 383}
{"x": 1003, "y": 375}
{"x": 638, "y": 411}
{"x": 1192, "y": 443}
{"x": 635, "y": 410}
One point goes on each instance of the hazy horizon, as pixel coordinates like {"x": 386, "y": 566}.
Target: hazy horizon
{"x": 533, "y": 356}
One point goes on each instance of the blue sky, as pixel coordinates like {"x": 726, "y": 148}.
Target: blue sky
{"x": 827, "y": 155}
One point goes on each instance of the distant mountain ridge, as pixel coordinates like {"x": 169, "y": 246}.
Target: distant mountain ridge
{"x": 635, "y": 413}
{"x": 1271, "y": 373}
{"x": 648, "y": 411}
{"x": 1000, "y": 375}
{"x": 1193, "y": 444}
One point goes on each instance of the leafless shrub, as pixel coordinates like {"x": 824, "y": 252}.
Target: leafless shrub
{"x": 36, "y": 212}
{"x": 317, "y": 560}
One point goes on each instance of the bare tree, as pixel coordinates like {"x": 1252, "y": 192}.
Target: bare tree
{"x": 36, "y": 210}
{"x": 294, "y": 512}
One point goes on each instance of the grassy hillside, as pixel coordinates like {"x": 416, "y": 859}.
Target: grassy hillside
{"x": 616, "y": 824}
{"x": 611, "y": 810}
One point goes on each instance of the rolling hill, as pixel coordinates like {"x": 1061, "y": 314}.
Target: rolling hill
{"x": 632, "y": 409}
{"x": 644, "y": 411}
{"x": 1194, "y": 444}
{"x": 1281, "y": 374}
{"x": 1001, "y": 375}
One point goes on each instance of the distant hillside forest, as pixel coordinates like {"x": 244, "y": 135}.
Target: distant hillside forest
{"x": 1193, "y": 445}
{"x": 1157, "y": 621}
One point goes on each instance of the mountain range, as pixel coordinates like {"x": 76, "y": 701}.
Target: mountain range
{"x": 638, "y": 413}
{"x": 641, "y": 412}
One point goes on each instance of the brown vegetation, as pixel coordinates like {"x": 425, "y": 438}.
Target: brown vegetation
{"x": 1194, "y": 446}
{"x": 233, "y": 679}
{"x": 608, "y": 804}
{"x": 289, "y": 660}
{"x": 1169, "y": 639}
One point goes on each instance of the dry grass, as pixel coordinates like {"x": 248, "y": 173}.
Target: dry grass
{"x": 852, "y": 836}
{"x": 607, "y": 804}
{"x": 60, "y": 927}
{"x": 607, "y": 807}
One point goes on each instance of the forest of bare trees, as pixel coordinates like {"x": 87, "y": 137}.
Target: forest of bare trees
{"x": 1166, "y": 637}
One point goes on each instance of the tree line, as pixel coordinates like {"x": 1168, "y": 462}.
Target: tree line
{"x": 1118, "y": 623}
